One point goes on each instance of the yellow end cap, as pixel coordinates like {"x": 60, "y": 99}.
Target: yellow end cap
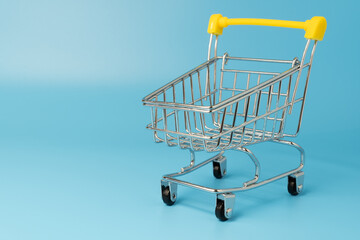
{"x": 214, "y": 25}
{"x": 315, "y": 28}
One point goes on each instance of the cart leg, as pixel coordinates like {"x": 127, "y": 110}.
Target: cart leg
{"x": 296, "y": 183}
{"x": 219, "y": 167}
{"x": 192, "y": 161}
{"x": 168, "y": 192}
{"x": 256, "y": 163}
{"x": 295, "y": 180}
{"x": 224, "y": 205}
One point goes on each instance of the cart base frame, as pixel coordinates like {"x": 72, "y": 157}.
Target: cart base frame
{"x": 225, "y": 198}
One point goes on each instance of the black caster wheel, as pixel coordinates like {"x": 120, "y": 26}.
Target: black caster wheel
{"x": 219, "y": 168}
{"x": 294, "y": 187}
{"x": 166, "y": 196}
{"x": 224, "y": 206}
{"x": 220, "y": 210}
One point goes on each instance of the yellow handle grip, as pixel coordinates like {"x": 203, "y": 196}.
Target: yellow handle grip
{"x": 314, "y": 28}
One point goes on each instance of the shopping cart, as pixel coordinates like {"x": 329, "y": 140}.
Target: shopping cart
{"x": 219, "y": 105}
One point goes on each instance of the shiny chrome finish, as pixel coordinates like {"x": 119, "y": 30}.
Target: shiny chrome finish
{"x": 253, "y": 183}
{"x": 206, "y": 114}
{"x": 172, "y": 187}
{"x": 192, "y": 162}
{"x": 225, "y": 104}
{"x": 229, "y": 202}
{"x": 222, "y": 163}
{"x": 299, "y": 180}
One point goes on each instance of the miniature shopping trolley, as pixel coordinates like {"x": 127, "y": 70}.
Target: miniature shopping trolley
{"x": 222, "y": 105}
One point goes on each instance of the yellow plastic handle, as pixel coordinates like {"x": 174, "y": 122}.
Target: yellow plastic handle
{"x": 314, "y": 28}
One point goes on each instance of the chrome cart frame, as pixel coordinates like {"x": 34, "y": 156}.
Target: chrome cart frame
{"x": 215, "y": 108}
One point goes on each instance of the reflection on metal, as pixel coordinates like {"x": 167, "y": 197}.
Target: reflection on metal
{"x": 214, "y": 108}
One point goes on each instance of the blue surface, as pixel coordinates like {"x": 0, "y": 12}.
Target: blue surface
{"x": 76, "y": 160}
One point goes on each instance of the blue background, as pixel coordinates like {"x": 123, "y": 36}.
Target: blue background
{"x": 76, "y": 160}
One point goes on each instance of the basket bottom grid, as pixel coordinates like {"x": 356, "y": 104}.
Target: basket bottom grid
{"x": 238, "y": 138}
